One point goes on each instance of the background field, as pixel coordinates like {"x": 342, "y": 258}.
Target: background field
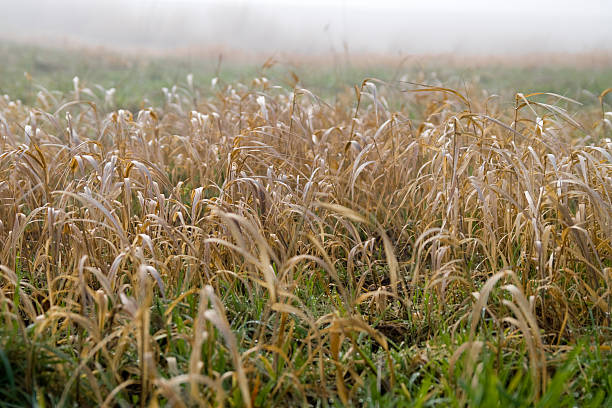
{"x": 581, "y": 77}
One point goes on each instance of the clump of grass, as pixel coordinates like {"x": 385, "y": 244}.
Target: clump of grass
{"x": 245, "y": 244}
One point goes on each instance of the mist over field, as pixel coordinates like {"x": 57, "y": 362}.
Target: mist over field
{"x": 317, "y": 27}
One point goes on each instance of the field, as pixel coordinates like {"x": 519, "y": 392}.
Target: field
{"x": 181, "y": 231}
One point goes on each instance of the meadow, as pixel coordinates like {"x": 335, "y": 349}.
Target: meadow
{"x": 195, "y": 232}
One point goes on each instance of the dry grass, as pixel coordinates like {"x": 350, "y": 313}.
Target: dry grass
{"x": 257, "y": 246}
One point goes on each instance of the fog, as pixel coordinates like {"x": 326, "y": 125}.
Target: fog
{"x": 472, "y": 27}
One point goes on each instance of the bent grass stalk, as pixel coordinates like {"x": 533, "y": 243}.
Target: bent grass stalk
{"x": 250, "y": 247}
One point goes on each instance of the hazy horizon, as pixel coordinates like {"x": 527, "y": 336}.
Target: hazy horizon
{"x": 473, "y": 27}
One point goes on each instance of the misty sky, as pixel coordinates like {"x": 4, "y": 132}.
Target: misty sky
{"x": 317, "y": 26}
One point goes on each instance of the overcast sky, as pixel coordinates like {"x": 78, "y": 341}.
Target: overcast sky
{"x": 316, "y": 26}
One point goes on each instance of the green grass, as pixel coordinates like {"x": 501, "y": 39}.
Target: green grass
{"x": 580, "y": 376}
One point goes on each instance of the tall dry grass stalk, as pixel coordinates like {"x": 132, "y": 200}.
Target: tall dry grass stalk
{"x": 126, "y": 238}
